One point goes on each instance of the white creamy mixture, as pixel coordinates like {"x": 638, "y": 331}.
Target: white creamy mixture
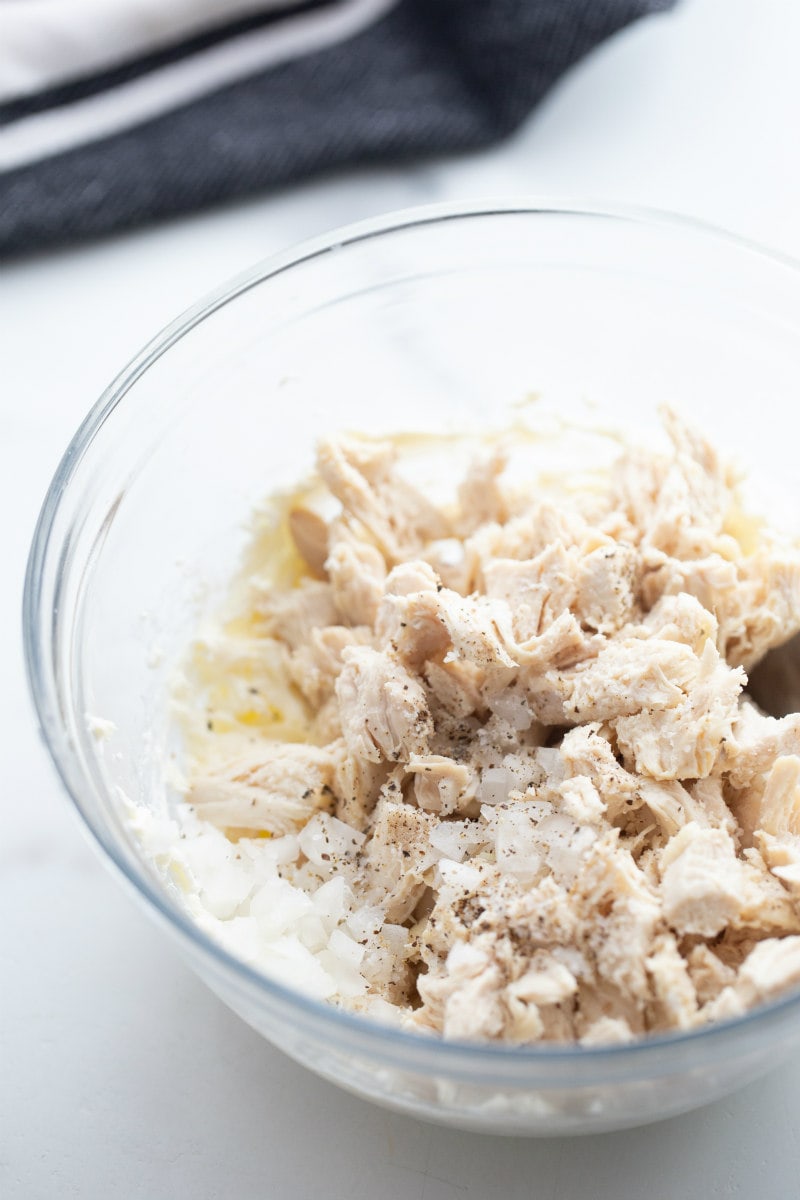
{"x": 488, "y": 769}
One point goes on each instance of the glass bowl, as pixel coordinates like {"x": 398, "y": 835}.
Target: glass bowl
{"x": 433, "y": 319}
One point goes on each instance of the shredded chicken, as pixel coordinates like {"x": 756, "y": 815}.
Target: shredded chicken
{"x": 529, "y": 764}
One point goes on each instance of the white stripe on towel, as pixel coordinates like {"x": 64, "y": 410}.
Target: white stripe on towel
{"x": 56, "y": 130}
{"x": 45, "y": 43}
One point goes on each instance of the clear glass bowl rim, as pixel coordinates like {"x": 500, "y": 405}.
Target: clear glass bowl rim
{"x": 368, "y": 1035}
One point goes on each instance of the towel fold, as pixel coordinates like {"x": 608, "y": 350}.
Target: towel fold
{"x": 112, "y": 114}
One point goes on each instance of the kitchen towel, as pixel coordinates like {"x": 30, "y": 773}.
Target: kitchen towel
{"x": 115, "y": 112}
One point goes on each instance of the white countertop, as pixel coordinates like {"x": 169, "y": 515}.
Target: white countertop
{"x": 120, "y": 1075}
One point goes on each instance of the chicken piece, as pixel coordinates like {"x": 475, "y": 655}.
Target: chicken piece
{"x": 708, "y": 973}
{"x": 637, "y": 478}
{"x": 675, "y": 999}
{"x": 619, "y": 913}
{"x": 533, "y": 1002}
{"x": 595, "y": 585}
{"x": 409, "y": 615}
{"x": 384, "y": 710}
{"x": 537, "y": 590}
{"x": 472, "y": 624}
{"x": 709, "y": 806}
{"x": 678, "y": 501}
{"x": 757, "y": 741}
{"x": 563, "y": 644}
{"x": 310, "y": 535}
{"x": 545, "y": 981}
{"x": 546, "y": 692}
{"x": 363, "y": 478}
{"x": 688, "y": 517}
{"x": 543, "y": 632}
{"x": 690, "y": 444}
{"x": 605, "y": 584}
{"x": 769, "y": 813}
{"x": 727, "y": 1006}
{"x": 507, "y": 927}
{"x": 611, "y": 523}
{"x": 782, "y": 857}
{"x": 519, "y": 584}
{"x": 397, "y": 855}
{"x": 682, "y": 618}
{"x": 454, "y": 737}
{"x": 606, "y": 1031}
{"x": 325, "y": 726}
{"x": 461, "y": 891}
{"x": 630, "y": 675}
{"x": 545, "y": 523}
{"x": 480, "y": 497}
{"x": 671, "y": 710}
{"x": 587, "y": 753}
{"x": 672, "y": 805}
{"x": 357, "y": 573}
{"x": 604, "y": 1013}
{"x": 684, "y": 740}
{"x": 478, "y": 898}
{"x": 766, "y": 905}
{"x": 780, "y": 804}
{"x": 409, "y": 578}
{"x": 426, "y": 623}
{"x": 291, "y": 615}
{"x": 712, "y": 581}
{"x": 454, "y": 687}
{"x": 357, "y": 785}
{"x": 756, "y": 599}
{"x": 455, "y": 563}
{"x": 523, "y": 1020}
{"x": 273, "y": 787}
{"x": 768, "y": 613}
{"x": 465, "y": 999}
{"x": 769, "y": 969}
{"x": 702, "y": 881}
{"x": 316, "y": 663}
{"x": 441, "y": 785}
{"x": 581, "y": 801}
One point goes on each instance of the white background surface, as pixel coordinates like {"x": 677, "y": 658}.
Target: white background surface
{"x": 120, "y": 1075}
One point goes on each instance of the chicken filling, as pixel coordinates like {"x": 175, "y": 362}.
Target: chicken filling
{"x": 507, "y": 741}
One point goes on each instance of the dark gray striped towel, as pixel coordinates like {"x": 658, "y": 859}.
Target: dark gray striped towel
{"x": 117, "y": 113}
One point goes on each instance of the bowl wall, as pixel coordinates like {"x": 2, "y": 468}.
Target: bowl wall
{"x": 432, "y": 321}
